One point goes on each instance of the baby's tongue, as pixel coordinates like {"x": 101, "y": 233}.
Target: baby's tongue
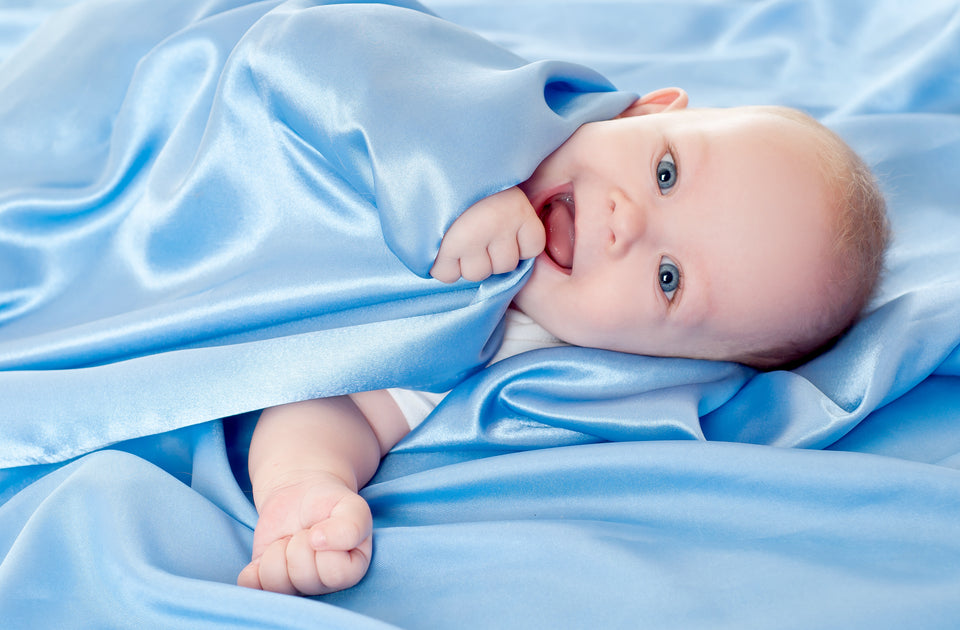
{"x": 558, "y": 221}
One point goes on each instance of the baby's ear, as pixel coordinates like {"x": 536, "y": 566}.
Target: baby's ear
{"x": 664, "y": 100}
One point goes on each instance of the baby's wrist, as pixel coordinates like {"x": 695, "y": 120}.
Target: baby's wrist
{"x": 266, "y": 485}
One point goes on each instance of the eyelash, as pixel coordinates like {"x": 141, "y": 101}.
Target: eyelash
{"x": 666, "y": 167}
{"x": 671, "y": 276}
{"x": 668, "y": 271}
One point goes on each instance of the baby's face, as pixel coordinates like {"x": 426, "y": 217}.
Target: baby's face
{"x": 693, "y": 233}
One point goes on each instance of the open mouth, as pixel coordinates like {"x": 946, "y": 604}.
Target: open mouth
{"x": 557, "y": 215}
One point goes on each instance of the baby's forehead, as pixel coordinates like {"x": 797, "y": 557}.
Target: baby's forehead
{"x": 791, "y": 149}
{"x": 749, "y": 120}
{"x": 765, "y": 221}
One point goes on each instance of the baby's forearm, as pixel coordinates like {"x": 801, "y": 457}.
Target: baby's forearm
{"x": 322, "y": 436}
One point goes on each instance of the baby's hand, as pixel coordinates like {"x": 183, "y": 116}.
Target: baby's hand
{"x": 314, "y": 536}
{"x": 491, "y": 236}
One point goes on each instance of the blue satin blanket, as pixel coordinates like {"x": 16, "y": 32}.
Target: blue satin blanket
{"x": 212, "y": 206}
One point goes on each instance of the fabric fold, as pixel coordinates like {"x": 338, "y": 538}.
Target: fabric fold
{"x": 169, "y": 172}
{"x": 275, "y": 174}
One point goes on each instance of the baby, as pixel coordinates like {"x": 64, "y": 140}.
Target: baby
{"x": 747, "y": 234}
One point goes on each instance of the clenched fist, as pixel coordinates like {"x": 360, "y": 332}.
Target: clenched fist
{"x": 492, "y": 236}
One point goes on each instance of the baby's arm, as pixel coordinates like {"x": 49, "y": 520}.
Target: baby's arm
{"x": 307, "y": 462}
{"x": 491, "y": 236}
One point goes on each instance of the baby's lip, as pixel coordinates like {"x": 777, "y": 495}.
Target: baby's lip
{"x": 558, "y": 212}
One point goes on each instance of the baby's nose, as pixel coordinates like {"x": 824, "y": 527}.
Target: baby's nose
{"x": 628, "y": 222}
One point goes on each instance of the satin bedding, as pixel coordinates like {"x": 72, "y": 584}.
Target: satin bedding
{"x": 211, "y": 207}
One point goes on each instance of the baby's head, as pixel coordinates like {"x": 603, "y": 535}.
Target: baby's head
{"x": 749, "y": 234}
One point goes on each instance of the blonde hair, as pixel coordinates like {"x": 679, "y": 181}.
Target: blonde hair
{"x": 862, "y": 236}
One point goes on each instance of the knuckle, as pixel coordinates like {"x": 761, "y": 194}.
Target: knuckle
{"x": 531, "y": 241}
{"x": 475, "y": 267}
{"x": 505, "y": 260}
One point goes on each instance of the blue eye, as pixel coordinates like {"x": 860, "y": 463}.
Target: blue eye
{"x": 666, "y": 173}
{"x": 669, "y": 277}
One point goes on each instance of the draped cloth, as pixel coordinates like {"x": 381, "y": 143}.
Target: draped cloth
{"x": 242, "y": 207}
{"x": 211, "y": 207}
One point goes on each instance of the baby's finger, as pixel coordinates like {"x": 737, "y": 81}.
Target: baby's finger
{"x": 342, "y": 569}
{"x": 273, "y": 569}
{"x": 531, "y": 238}
{"x": 446, "y": 269}
{"x": 302, "y": 567}
{"x": 349, "y": 525}
{"x": 504, "y": 255}
{"x": 249, "y": 576}
{"x": 476, "y": 267}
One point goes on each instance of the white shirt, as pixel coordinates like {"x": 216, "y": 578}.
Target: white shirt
{"x": 520, "y": 335}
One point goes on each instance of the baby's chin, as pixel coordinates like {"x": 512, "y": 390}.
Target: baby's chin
{"x": 533, "y": 297}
